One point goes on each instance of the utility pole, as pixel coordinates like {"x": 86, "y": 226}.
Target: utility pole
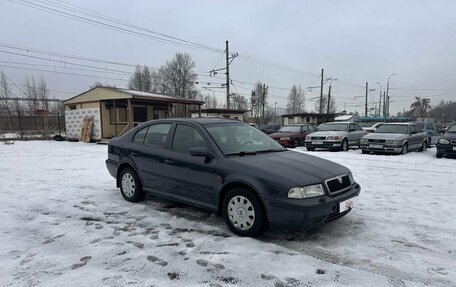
{"x": 365, "y": 105}
{"x": 226, "y": 85}
{"x": 227, "y": 76}
{"x": 321, "y": 93}
{"x": 329, "y": 103}
{"x": 387, "y": 95}
{"x": 384, "y": 105}
{"x": 380, "y": 100}
{"x": 263, "y": 99}
{"x": 275, "y": 111}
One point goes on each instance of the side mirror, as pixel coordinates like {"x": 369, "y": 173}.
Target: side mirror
{"x": 200, "y": 151}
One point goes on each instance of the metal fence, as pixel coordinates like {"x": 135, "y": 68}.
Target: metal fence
{"x": 32, "y": 125}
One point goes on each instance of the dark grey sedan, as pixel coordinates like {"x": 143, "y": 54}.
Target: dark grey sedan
{"x": 232, "y": 169}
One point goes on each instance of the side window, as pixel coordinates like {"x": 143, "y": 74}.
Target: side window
{"x": 412, "y": 129}
{"x": 305, "y": 129}
{"x": 352, "y": 128}
{"x": 187, "y": 137}
{"x": 157, "y": 134}
{"x": 358, "y": 128}
{"x": 140, "y": 136}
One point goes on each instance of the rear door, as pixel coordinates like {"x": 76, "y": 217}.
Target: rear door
{"x": 147, "y": 152}
{"x": 355, "y": 134}
{"x": 192, "y": 178}
{"x": 415, "y": 137}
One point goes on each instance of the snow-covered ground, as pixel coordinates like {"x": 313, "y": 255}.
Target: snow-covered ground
{"x": 64, "y": 223}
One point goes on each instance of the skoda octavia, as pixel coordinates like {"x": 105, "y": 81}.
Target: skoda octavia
{"x": 232, "y": 169}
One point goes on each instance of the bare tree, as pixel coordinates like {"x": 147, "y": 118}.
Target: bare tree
{"x": 43, "y": 93}
{"x": 259, "y": 101}
{"x": 332, "y": 105}
{"x": 210, "y": 102}
{"x": 160, "y": 84}
{"x": 179, "y": 75}
{"x": 141, "y": 80}
{"x": 31, "y": 94}
{"x": 296, "y": 99}
{"x": 6, "y": 105}
{"x": 239, "y": 102}
{"x": 100, "y": 84}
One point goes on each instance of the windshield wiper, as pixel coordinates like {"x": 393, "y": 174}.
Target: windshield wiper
{"x": 241, "y": 153}
{"x": 270, "y": 150}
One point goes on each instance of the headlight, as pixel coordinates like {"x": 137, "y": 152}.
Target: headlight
{"x": 350, "y": 176}
{"x": 306, "y": 191}
{"x": 444, "y": 141}
{"x": 307, "y": 138}
{"x": 392, "y": 142}
{"x": 332, "y": 138}
{"x": 363, "y": 141}
{"x": 285, "y": 139}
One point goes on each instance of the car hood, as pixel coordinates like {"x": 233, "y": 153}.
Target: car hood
{"x": 300, "y": 168}
{"x": 384, "y": 136}
{"x": 449, "y": 136}
{"x": 328, "y": 133}
{"x": 283, "y": 134}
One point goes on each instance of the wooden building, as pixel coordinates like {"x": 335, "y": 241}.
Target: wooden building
{"x": 116, "y": 110}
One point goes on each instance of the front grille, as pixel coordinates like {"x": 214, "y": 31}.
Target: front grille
{"x": 338, "y": 184}
{"x": 377, "y": 141}
{"x": 318, "y": 138}
{"x": 453, "y": 142}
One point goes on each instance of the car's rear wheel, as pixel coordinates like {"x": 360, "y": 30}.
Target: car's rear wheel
{"x": 296, "y": 143}
{"x": 243, "y": 212}
{"x": 404, "y": 148}
{"x": 344, "y": 146}
{"x": 130, "y": 186}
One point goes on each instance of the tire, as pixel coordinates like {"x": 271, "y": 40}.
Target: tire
{"x": 310, "y": 148}
{"x": 130, "y": 186}
{"x": 344, "y": 146}
{"x": 296, "y": 143}
{"x": 424, "y": 146}
{"x": 429, "y": 143}
{"x": 439, "y": 155}
{"x": 404, "y": 148}
{"x": 364, "y": 151}
{"x": 243, "y": 213}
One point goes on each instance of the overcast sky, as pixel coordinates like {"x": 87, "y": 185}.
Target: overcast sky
{"x": 354, "y": 41}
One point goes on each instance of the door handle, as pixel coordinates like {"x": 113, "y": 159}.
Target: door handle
{"x": 169, "y": 161}
{"x": 133, "y": 153}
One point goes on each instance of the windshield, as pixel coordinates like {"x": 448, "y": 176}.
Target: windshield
{"x": 392, "y": 129}
{"x": 333, "y": 127}
{"x": 290, "y": 129}
{"x": 238, "y": 138}
{"x": 452, "y": 129}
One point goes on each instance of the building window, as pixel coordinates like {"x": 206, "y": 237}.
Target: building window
{"x": 290, "y": 121}
{"x": 72, "y": 107}
{"x": 121, "y": 116}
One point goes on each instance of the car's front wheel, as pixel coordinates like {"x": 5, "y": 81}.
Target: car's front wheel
{"x": 243, "y": 212}
{"x": 439, "y": 155}
{"x": 296, "y": 143}
{"x": 424, "y": 146}
{"x": 310, "y": 148}
{"x": 130, "y": 186}
{"x": 404, "y": 148}
{"x": 344, "y": 146}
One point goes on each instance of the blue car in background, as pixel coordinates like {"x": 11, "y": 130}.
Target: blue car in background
{"x": 431, "y": 130}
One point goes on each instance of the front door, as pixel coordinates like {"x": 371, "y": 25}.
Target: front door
{"x": 191, "y": 178}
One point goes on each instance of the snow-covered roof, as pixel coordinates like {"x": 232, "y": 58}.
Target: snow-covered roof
{"x": 344, "y": 118}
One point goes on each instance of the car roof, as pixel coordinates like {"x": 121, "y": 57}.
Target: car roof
{"x": 408, "y": 124}
{"x": 339, "y": 123}
{"x": 202, "y": 120}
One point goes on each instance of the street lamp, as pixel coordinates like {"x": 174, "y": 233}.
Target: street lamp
{"x": 380, "y": 100}
{"x": 275, "y": 111}
{"x": 387, "y": 96}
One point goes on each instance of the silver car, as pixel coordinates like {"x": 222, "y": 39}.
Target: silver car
{"x": 395, "y": 138}
{"x": 336, "y": 135}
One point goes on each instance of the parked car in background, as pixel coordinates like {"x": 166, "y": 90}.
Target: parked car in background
{"x": 233, "y": 169}
{"x": 335, "y": 136}
{"x": 431, "y": 130}
{"x": 269, "y": 129}
{"x": 372, "y": 128}
{"x": 447, "y": 143}
{"x": 292, "y": 135}
{"x": 395, "y": 138}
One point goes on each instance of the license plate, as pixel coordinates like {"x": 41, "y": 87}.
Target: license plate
{"x": 317, "y": 142}
{"x": 376, "y": 146}
{"x": 347, "y": 204}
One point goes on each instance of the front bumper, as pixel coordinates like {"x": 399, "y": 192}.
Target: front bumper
{"x": 385, "y": 149}
{"x": 323, "y": 144}
{"x": 308, "y": 213}
{"x": 446, "y": 149}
